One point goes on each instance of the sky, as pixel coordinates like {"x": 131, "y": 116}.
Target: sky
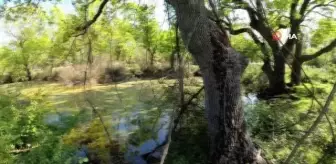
{"x": 66, "y": 7}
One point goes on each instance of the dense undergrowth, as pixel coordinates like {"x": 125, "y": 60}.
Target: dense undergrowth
{"x": 24, "y": 136}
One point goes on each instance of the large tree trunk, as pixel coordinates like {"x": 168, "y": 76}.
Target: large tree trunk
{"x": 221, "y": 67}
{"x": 277, "y": 83}
{"x": 275, "y": 75}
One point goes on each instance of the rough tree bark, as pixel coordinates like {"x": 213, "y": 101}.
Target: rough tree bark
{"x": 221, "y": 67}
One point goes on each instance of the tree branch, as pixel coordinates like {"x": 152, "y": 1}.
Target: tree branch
{"x": 304, "y": 7}
{"x": 95, "y": 17}
{"x": 246, "y": 30}
{"x": 267, "y": 68}
{"x": 322, "y": 51}
{"x": 319, "y": 5}
{"x": 259, "y": 23}
{"x": 325, "y": 15}
{"x": 108, "y": 136}
{"x": 215, "y": 13}
{"x": 218, "y": 20}
{"x": 184, "y": 107}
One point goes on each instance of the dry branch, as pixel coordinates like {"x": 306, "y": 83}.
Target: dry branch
{"x": 323, "y": 112}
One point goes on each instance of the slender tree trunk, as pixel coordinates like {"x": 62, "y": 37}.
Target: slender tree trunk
{"x": 181, "y": 68}
{"x": 28, "y": 73}
{"x": 296, "y": 65}
{"x": 221, "y": 67}
{"x": 111, "y": 54}
{"x": 152, "y": 58}
{"x": 50, "y": 71}
{"x": 118, "y": 52}
{"x": 172, "y": 59}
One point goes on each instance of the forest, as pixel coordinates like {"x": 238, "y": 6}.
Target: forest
{"x": 167, "y": 81}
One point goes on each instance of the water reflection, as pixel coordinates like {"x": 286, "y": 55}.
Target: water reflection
{"x": 141, "y": 129}
{"x": 145, "y": 136}
{"x": 56, "y": 119}
{"x": 250, "y": 99}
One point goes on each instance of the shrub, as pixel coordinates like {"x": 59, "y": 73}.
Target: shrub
{"x": 116, "y": 72}
{"x": 70, "y": 75}
{"x": 18, "y": 75}
{"x": 99, "y": 72}
{"x": 149, "y": 71}
{"x": 159, "y": 70}
{"x": 43, "y": 75}
{"x": 6, "y": 79}
{"x": 333, "y": 59}
{"x": 24, "y": 137}
{"x": 135, "y": 70}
